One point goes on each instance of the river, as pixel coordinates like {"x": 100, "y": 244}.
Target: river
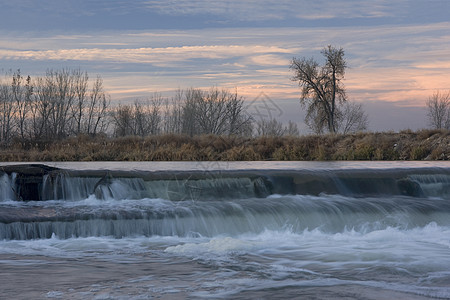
{"x": 229, "y": 230}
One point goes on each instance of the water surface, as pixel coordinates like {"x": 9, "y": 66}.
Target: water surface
{"x": 234, "y": 230}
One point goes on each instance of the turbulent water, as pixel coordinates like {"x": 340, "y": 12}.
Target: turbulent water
{"x": 263, "y": 230}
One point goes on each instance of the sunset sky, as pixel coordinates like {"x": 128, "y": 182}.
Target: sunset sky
{"x": 398, "y": 52}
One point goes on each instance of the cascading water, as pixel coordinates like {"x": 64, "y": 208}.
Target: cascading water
{"x": 437, "y": 185}
{"x": 250, "y": 232}
{"x": 7, "y": 187}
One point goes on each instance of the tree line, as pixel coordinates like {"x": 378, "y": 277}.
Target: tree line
{"x": 54, "y": 106}
{"x": 195, "y": 112}
{"x": 66, "y": 102}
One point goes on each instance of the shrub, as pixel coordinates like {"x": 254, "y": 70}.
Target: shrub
{"x": 419, "y": 153}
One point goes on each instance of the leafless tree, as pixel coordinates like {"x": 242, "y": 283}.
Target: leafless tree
{"x": 143, "y": 118}
{"x": 292, "y": 129}
{"x": 272, "y": 127}
{"x": 62, "y": 104}
{"x": 123, "y": 119}
{"x": 155, "y": 114}
{"x": 214, "y": 111}
{"x": 7, "y": 111}
{"x": 211, "y": 112}
{"x": 192, "y": 99}
{"x": 352, "y": 118}
{"x": 41, "y": 108}
{"x": 97, "y": 109}
{"x": 322, "y": 87}
{"x": 269, "y": 127}
{"x": 147, "y": 116}
{"x": 316, "y": 120}
{"x": 80, "y": 85}
{"x": 439, "y": 110}
{"x": 239, "y": 122}
{"x": 61, "y": 101}
{"x": 22, "y": 91}
{"x": 173, "y": 114}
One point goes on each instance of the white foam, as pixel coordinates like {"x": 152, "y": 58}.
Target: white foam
{"x": 215, "y": 246}
{"x": 283, "y": 258}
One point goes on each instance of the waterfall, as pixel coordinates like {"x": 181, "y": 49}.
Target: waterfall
{"x": 7, "y": 187}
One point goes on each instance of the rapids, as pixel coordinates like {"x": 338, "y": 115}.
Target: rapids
{"x": 225, "y": 230}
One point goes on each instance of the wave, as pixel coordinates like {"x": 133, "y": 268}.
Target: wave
{"x": 413, "y": 261}
{"x": 159, "y": 217}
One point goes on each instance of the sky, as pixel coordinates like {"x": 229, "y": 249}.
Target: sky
{"x": 398, "y": 52}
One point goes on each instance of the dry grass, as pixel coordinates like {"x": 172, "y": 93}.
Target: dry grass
{"x": 406, "y": 145}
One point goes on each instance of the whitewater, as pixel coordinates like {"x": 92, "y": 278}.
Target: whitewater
{"x": 229, "y": 230}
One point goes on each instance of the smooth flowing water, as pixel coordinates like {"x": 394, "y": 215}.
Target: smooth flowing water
{"x": 262, "y": 230}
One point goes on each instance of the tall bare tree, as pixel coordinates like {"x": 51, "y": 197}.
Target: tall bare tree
{"x": 239, "y": 121}
{"x": 7, "y": 111}
{"x": 192, "y": 98}
{"x": 21, "y": 92}
{"x": 80, "y": 85}
{"x": 147, "y": 116}
{"x": 97, "y": 109}
{"x": 123, "y": 119}
{"x": 173, "y": 114}
{"x": 62, "y": 101}
{"x": 41, "y": 108}
{"x": 439, "y": 110}
{"x": 322, "y": 87}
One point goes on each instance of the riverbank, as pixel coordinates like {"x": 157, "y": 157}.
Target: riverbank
{"x": 405, "y": 145}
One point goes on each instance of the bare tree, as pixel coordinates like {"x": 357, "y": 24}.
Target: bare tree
{"x": 147, "y": 116}
{"x": 352, "y": 118}
{"x": 213, "y": 112}
{"x": 173, "y": 114}
{"x": 322, "y": 88}
{"x": 292, "y": 129}
{"x": 7, "y": 112}
{"x": 62, "y": 101}
{"x": 269, "y": 127}
{"x": 62, "y": 104}
{"x": 123, "y": 119}
{"x": 52, "y": 104}
{"x": 41, "y": 108}
{"x": 22, "y": 93}
{"x": 23, "y": 104}
{"x": 192, "y": 99}
{"x": 239, "y": 122}
{"x": 272, "y": 127}
{"x": 97, "y": 109}
{"x": 316, "y": 120}
{"x": 439, "y": 110}
{"x": 80, "y": 85}
{"x": 155, "y": 114}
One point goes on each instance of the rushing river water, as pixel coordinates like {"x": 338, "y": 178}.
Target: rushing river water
{"x": 261, "y": 230}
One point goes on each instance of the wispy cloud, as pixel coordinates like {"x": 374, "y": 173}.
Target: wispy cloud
{"x": 396, "y": 50}
{"x": 225, "y": 9}
{"x": 385, "y": 62}
{"x": 278, "y": 9}
{"x": 348, "y": 9}
{"x": 157, "y": 56}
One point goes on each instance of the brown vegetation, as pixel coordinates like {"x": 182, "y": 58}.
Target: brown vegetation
{"x": 406, "y": 145}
